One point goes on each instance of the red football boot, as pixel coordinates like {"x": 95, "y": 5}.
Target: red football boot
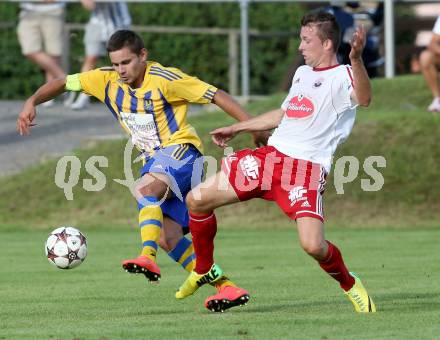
{"x": 142, "y": 264}
{"x": 227, "y": 297}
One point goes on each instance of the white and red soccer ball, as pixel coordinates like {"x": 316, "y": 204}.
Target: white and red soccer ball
{"x": 66, "y": 247}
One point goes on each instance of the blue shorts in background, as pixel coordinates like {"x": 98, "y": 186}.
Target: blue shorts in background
{"x": 183, "y": 164}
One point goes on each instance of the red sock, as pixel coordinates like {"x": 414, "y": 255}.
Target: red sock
{"x": 335, "y": 267}
{"x": 203, "y": 229}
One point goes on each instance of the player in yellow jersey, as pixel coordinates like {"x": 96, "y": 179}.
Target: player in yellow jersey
{"x": 150, "y": 102}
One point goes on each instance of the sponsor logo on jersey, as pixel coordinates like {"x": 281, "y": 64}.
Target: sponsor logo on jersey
{"x": 297, "y": 194}
{"x": 300, "y": 107}
{"x": 306, "y": 204}
{"x": 249, "y": 166}
{"x": 142, "y": 129}
{"x": 148, "y": 106}
{"x": 318, "y": 83}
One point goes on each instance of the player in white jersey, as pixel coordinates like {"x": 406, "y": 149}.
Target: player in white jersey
{"x": 317, "y": 115}
{"x": 430, "y": 63}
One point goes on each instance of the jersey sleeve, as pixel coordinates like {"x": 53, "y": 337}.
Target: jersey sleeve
{"x": 342, "y": 91}
{"x": 190, "y": 89}
{"x": 93, "y": 83}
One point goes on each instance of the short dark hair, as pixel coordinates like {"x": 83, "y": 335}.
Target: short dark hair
{"x": 326, "y": 24}
{"x": 125, "y": 38}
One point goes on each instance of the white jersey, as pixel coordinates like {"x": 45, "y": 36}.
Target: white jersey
{"x": 436, "y": 28}
{"x": 318, "y": 114}
{"x": 110, "y": 16}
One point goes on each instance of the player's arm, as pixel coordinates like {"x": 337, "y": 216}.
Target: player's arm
{"x": 46, "y": 92}
{"x": 91, "y": 82}
{"x": 362, "y": 87}
{"x": 263, "y": 122}
{"x": 228, "y": 104}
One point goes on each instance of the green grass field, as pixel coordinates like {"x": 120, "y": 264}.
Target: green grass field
{"x": 390, "y": 238}
{"x": 291, "y": 296}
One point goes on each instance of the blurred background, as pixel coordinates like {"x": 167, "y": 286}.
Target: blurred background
{"x": 390, "y": 236}
{"x": 203, "y": 38}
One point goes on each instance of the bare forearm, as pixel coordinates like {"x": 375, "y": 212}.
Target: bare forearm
{"x": 228, "y": 104}
{"x": 263, "y": 122}
{"x": 362, "y": 85}
{"x": 48, "y": 91}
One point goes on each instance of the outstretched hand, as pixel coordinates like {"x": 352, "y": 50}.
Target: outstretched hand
{"x": 222, "y": 135}
{"x": 358, "y": 43}
{"x": 26, "y": 119}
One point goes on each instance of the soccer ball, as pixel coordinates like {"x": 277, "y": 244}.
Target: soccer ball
{"x": 66, "y": 247}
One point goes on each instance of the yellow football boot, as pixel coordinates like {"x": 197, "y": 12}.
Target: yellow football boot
{"x": 358, "y": 295}
{"x": 194, "y": 281}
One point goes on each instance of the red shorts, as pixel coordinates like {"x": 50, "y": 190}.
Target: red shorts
{"x": 295, "y": 185}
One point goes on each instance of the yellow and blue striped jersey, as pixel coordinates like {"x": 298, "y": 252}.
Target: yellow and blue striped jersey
{"x": 154, "y": 115}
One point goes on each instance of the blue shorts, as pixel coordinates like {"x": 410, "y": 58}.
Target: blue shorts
{"x": 183, "y": 164}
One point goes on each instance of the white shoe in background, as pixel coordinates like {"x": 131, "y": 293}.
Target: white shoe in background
{"x": 435, "y": 105}
{"x": 81, "y": 102}
{"x": 49, "y": 103}
{"x": 69, "y": 98}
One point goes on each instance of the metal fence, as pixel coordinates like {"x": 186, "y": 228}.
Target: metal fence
{"x": 233, "y": 36}
{"x": 244, "y": 31}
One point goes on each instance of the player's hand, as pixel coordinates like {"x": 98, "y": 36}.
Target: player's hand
{"x": 221, "y": 136}
{"x": 260, "y": 138}
{"x": 357, "y": 43}
{"x": 26, "y": 119}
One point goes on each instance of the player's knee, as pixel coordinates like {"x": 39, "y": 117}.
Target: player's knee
{"x": 191, "y": 202}
{"x": 169, "y": 241}
{"x": 149, "y": 187}
{"x": 426, "y": 58}
{"x": 315, "y": 249}
{"x": 194, "y": 204}
{"x": 31, "y": 55}
{"x": 141, "y": 190}
{"x": 163, "y": 244}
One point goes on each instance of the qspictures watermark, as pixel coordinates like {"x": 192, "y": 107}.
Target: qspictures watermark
{"x": 345, "y": 170}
